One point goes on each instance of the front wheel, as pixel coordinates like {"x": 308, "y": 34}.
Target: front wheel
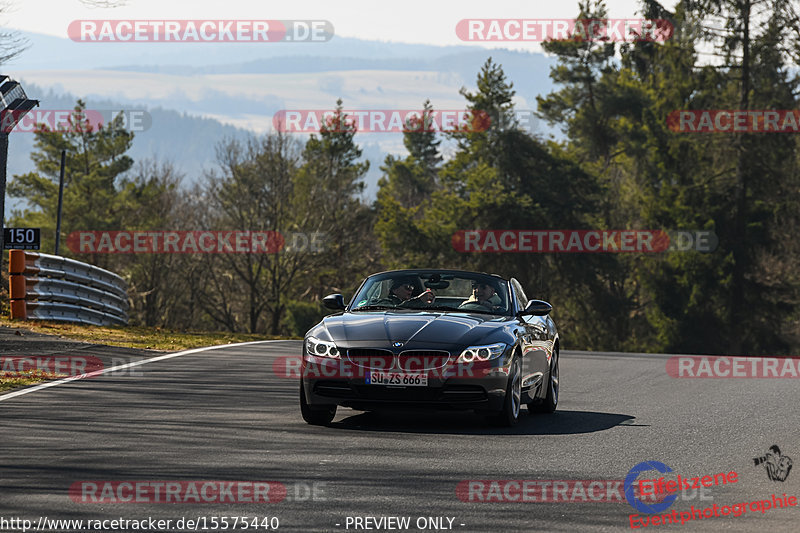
{"x": 316, "y": 416}
{"x": 551, "y": 400}
{"x": 510, "y": 413}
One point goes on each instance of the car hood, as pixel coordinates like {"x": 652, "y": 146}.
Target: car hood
{"x": 415, "y": 329}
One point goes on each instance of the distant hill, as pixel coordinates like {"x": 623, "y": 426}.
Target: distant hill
{"x": 199, "y": 93}
{"x": 528, "y": 71}
{"x": 74, "y": 55}
{"x": 186, "y": 140}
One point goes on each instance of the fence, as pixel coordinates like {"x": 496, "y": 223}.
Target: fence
{"x": 50, "y": 287}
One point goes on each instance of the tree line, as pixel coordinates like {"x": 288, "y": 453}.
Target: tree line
{"x": 620, "y": 165}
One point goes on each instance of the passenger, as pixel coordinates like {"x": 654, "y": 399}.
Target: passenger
{"x": 483, "y": 295}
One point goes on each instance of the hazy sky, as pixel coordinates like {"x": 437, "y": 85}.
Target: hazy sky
{"x": 410, "y": 21}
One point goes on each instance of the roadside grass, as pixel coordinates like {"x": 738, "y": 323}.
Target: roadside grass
{"x": 141, "y": 337}
{"x": 12, "y": 380}
{"x": 156, "y": 339}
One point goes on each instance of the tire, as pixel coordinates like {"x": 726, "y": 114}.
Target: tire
{"x": 549, "y": 404}
{"x": 509, "y": 415}
{"x": 316, "y": 416}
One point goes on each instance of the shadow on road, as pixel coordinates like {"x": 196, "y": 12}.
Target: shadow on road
{"x": 558, "y": 423}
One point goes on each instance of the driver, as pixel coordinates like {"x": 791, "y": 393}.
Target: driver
{"x": 400, "y": 293}
{"x": 484, "y": 295}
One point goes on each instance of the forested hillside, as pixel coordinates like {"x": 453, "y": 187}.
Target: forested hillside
{"x": 622, "y": 165}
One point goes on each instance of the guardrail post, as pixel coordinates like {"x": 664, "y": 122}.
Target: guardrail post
{"x": 16, "y": 261}
{"x": 16, "y": 284}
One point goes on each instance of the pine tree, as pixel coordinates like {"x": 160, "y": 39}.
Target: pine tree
{"x": 329, "y": 190}
{"x": 95, "y": 160}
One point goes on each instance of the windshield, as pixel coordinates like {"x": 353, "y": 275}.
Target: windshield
{"x": 435, "y": 291}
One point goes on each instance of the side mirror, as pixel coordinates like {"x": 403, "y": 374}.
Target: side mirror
{"x": 537, "y": 308}
{"x": 334, "y": 301}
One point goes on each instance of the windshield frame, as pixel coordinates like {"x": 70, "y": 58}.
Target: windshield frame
{"x": 492, "y": 279}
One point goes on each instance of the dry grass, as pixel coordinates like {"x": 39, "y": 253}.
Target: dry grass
{"x": 134, "y": 336}
{"x": 9, "y": 380}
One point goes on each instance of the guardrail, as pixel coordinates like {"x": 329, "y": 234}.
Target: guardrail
{"x": 51, "y": 287}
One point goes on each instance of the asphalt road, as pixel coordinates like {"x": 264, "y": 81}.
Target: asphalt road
{"x": 225, "y": 415}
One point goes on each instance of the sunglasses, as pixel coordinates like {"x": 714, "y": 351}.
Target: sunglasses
{"x": 407, "y": 287}
{"x": 479, "y": 286}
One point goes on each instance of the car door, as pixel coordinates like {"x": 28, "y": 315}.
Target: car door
{"x": 534, "y": 339}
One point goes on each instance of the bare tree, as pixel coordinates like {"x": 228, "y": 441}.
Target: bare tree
{"x": 11, "y": 44}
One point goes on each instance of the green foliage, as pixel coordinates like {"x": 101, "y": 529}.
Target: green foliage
{"x": 734, "y": 185}
{"x": 302, "y": 316}
{"x": 622, "y": 166}
{"x": 95, "y": 160}
{"x": 330, "y": 185}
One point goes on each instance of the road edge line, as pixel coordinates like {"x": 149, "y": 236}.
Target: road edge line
{"x": 62, "y": 381}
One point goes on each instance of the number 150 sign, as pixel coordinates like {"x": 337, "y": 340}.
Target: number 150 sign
{"x": 21, "y": 238}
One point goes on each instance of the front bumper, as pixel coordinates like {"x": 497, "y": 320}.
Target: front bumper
{"x": 478, "y": 387}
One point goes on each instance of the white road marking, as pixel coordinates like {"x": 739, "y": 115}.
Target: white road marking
{"x": 49, "y": 384}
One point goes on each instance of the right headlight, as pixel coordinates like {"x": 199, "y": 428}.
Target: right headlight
{"x": 320, "y": 348}
{"x": 482, "y": 353}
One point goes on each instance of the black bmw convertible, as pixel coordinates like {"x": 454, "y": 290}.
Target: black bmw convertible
{"x": 432, "y": 339}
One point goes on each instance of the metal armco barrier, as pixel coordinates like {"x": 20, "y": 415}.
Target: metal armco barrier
{"x": 50, "y": 287}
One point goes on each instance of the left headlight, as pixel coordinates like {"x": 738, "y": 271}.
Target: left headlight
{"x": 320, "y": 348}
{"x": 482, "y": 353}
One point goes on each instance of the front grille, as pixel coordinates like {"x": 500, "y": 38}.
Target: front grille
{"x": 421, "y": 360}
{"x": 371, "y": 358}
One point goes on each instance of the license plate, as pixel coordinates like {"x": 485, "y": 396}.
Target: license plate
{"x": 398, "y": 379}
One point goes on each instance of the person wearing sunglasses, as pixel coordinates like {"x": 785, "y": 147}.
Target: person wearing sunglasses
{"x": 401, "y": 294}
